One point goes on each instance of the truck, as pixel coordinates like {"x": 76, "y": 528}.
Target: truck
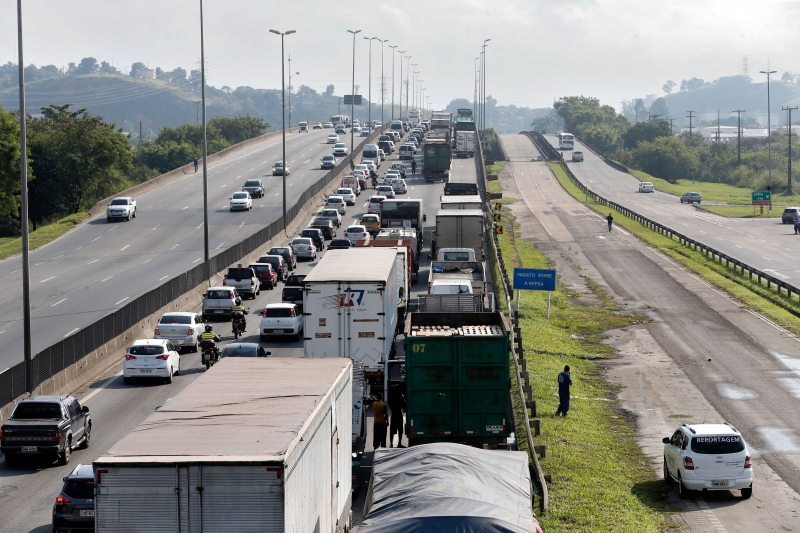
{"x": 460, "y": 189}
{"x": 471, "y": 274}
{"x": 455, "y": 254}
{"x": 445, "y": 487}
{"x": 458, "y": 228}
{"x": 361, "y": 392}
{"x": 122, "y": 207}
{"x": 351, "y": 311}
{"x": 396, "y": 235}
{"x": 244, "y": 280}
{"x": 404, "y": 213}
{"x": 257, "y": 444}
{"x": 436, "y": 159}
{"x": 403, "y": 286}
{"x": 293, "y": 290}
{"x": 461, "y": 202}
{"x": 465, "y": 144}
{"x": 457, "y": 378}
{"x": 441, "y": 122}
{"x": 413, "y": 116}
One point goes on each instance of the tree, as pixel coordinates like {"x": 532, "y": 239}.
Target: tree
{"x": 668, "y": 86}
{"x": 136, "y": 69}
{"x": 159, "y": 73}
{"x": 645, "y": 132}
{"x": 666, "y": 157}
{"x": 195, "y": 78}
{"x": 787, "y": 76}
{"x": 88, "y": 65}
{"x": 548, "y": 122}
{"x": 176, "y": 76}
{"x": 236, "y": 130}
{"x": 692, "y": 84}
{"x": 306, "y": 92}
{"x": 328, "y": 91}
{"x": 9, "y": 164}
{"x": 660, "y": 107}
{"x": 108, "y": 68}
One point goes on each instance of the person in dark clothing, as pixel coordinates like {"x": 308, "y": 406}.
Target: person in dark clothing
{"x": 413, "y": 166}
{"x": 610, "y": 220}
{"x": 397, "y": 403}
{"x": 380, "y": 422}
{"x": 564, "y": 383}
{"x": 196, "y": 164}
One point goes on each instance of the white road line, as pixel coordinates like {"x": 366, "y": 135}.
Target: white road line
{"x": 56, "y": 257}
{"x": 162, "y": 279}
{"x": 95, "y": 239}
{"x": 108, "y": 278}
{"x": 175, "y": 246}
{"x": 220, "y": 246}
{"x": 40, "y": 263}
{"x": 148, "y": 260}
{"x": 112, "y": 229}
{"x": 1, "y": 332}
{"x": 196, "y": 260}
{"x": 19, "y": 270}
{"x": 48, "y": 279}
{"x": 58, "y": 302}
{"x": 119, "y": 302}
{"x": 187, "y": 207}
{"x": 200, "y": 226}
{"x": 78, "y": 248}
{"x": 223, "y": 186}
{"x": 736, "y": 245}
{"x": 126, "y": 246}
{"x": 242, "y": 224}
{"x": 71, "y": 332}
{"x": 156, "y": 227}
{"x": 90, "y": 262}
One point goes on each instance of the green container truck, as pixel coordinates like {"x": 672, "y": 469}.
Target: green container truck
{"x": 436, "y": 158}
{"x": 457, "y": 378}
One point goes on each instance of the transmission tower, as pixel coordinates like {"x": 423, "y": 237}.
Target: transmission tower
{"x": 744, "y": 65}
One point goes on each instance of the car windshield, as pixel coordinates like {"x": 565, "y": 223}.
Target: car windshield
{"x": 239, "y": 195}
{"x": 79, "y": 490}
{"x": 720, "y": 444}
{"x": 321, "y": 222}
{"x": 272, "y": 259}
{"x": 251, "y": 183}
{"x": 278, "y": 312}
{"x": 36, "y": 411}
{"x": 219, "y": 295}
{"x": 119, "y": 201}
{"x": 262, "y": 269}
{"x": 368, "y": 218}
{"x": 280, "y": 251}
{"x": 279, "y": 164}
{"x": 304, "y": 241}
{"x": 175, "y": 319}
{"x": 145, "y": 349}
{"x": 311, "y": 233}
{"x": 339, "y": 243}
{"x": 344, "y": 191}
{"x": 334, "y": 200}
{"x": 384, "y": 188}
{"x": 328, "y": 158}
{"x": 240, "y": 351}
{"x": 456, "y": 256}
{"x": 340, "y": 145}
{"x": 375, "y": 200}
{"x": 330, "y": 213}
{"x": 790, "y": 210}
{"x": 356, "y": 229}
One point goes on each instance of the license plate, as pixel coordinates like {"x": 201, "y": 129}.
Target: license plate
{"x": 87, "y": 513}
{"x": 30, "y": 449}
{"x": 277, "y": 331}
{"x": 179, "y": 342}
{"x": 218, "y": 311}
{"x": 716, "y": 483}
{"x": 145, "y": 370}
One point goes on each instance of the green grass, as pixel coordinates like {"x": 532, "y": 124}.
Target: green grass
{"x": 748, "y": 292}
{"x": 495, "y": 168}
{"x": 742, "y": 211}
{"x": 43, "y": 235}
{"x": 600, "y": 478}
{"x": 493, "y": 186}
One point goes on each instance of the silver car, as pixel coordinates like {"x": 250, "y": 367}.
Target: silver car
{"x": 219, "y": 301}
{"x": 691, "y": 197}
{"x": 304, "y": 247}
{"x": 182, "y": 329}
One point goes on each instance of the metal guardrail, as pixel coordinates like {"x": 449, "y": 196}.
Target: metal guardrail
{"x": 72, "y": 349}
{"x": 779, "y": 285}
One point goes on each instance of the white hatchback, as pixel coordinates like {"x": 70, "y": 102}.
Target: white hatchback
{"x": 646, "y": 186}
{"x": 356, "y": 233}
{"x": 281, "y": 320}
{"x": 347, "y": 194}
{"x": 374, "y": 204}
{"x": 333, "y": 138}
{"x": 399, "y": 186}
{"x": 386, "y": 190}
{"x": 241, "y": 201}
{"x": 151, "y": 358}
{"x": 336, "y": 202}
{"x": 304, "y": 247}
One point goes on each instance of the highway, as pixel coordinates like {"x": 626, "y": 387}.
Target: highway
{"x": 100, "y": 266}
{"x": 765, "y": 244}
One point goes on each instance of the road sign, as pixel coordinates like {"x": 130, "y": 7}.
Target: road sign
{"x": 497, "y": 217}
{"x": 534, "y": 279}
{"x": 762, "y": 198}
{"x": 348, "y": 99}
{"x": 498, "y": 207}
{"x": 498, "y": 230}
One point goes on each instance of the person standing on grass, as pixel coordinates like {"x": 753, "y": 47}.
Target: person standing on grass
{"x": 380, "y": 422}
{"x": 564, "y": 383}
{"x": 610, "y": 221}
{"x": 796, "y": 222}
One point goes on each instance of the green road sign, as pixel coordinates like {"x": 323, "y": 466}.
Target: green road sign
{"x": 762, "y": 198}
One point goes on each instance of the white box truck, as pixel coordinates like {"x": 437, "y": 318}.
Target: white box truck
{"x": 254, "y": 444}
{"x": 458, "y": 228}
{"x": 465, "y": 144}
{"x": 350, "y": 307}
{"x": 461, "y": 202}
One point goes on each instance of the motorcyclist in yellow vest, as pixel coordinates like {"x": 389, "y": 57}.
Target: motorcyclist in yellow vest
{"x": 209, "y": 335}
{"x": 238, "y": 307}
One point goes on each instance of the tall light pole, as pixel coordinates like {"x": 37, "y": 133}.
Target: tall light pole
{"x": 383, "y": 81}
{"x": 400, "y": 95}
{"x": 408, "y": 75}
{"x": 789, "y": 109}
{"x": 475, "y": 92}
{"x": 484, "y": 85}
{"x": 769, "y": 133}
{"x": 369, "y": 109}
{"x": 419, "y": 95}
{"x": 23, "y": 188}
{"x": 290, "y": 91}
{"x": 197, "y": 111}
{"x": 205, "y": 142}
{"x": 353, "y": 89}
{"x": 283, "y": 118}
{"x": 413, "y": 86}
{"x": 393, "y": 54}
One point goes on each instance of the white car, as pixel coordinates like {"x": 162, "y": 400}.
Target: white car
{"x": 356, "y": 233}
{"x": 412, "y": 146}
{"x": 363, "y": 167}
{"x": 340, "y": 149}
{"x": 348, "y": 195}
{"x": 365, "y": 132}
{"x": 371, "y": 164}
{"x": 182, "y": 329}
{"x": 328, "y": 125}
{"x": 282, "y": 319}
{"x": 399, "y": 186}
{"x": 382, "y": 154}
{"x": 336, "y": 202}
{"x": 391, "y": 176}
{"x": 151, "y": 358}
{"x": 374, "y": 204}
{"x": 332, "y": 215}
{"x": 646, "y": 186}
{"x": 241, "y": 201}
{"x": 708, "y": 457}
{"x": 577, "y": 156}
{"x": 304, "y": 247}
{"x": 333, "y": 138}
{"x": 386, "y": 190}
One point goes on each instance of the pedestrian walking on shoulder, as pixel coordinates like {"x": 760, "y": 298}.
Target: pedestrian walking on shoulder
{"x": 610, "y": 221}
{"x": 413, "y": 166}
{"x": 196, "y": 164}
{"x": 796, "y": 222}
{"x": 380, "y": 422}
{"x": 564, "y": 383}
{"x": 397, "y": 403}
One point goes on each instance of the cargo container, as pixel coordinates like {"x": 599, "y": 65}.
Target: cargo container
{"x": 465, "y": 144}
{"x": 457, "y": 378}
{"x": 403, "y": 278}
{"x": 460, "y": 189}
{"x": 253, "y": 444}
{"x": 461, "y": 202}
{"x": 404, "y": 213}
{"x": 350, "y": 307}
{"x": 436, "y": 160}
{"x": 403, "y": 234}
{"x": 359, "y": 426}
{"x": 458, "y": 228}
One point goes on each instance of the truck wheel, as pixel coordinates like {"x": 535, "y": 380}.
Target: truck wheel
{"x": 11, "y": 460}
{"x": 87, "y": 438}
{"x": 134, "y": 213}
{"x": 746, "y": 493}
{"x": 63, "y": 457}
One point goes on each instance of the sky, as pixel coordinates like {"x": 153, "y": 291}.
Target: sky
{"x": 539, "y": 50}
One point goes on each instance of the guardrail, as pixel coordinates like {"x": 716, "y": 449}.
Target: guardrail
{"x": 72, "y": 349}
{"x": 778, "y": 284}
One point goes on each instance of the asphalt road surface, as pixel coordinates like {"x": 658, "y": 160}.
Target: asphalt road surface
{"x": 100, "y": 266}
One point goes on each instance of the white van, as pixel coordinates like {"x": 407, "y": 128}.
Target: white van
{"x": 397, "y": 125}
{"x": 370, "y": 152}
{"x": 406, "y": 152}
{"x": 304, "y": 127}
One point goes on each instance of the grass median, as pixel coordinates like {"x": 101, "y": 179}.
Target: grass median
{"x": 43, "y": 235}
{"x": 600, "y": 478}
{"x": 748, "y": 292}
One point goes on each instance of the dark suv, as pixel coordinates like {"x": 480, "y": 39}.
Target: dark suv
{"x": 316, "y": 236}
{"x": 74, "y": 507}
{"x": 287, "y": 253}
{"x": 278, "y": 265}
{"x": 788, "y": 214}
{"x": 254, "y": 187}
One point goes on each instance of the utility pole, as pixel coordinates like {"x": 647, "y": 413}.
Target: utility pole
{"x": 718, "y": 134}
{"x": 483, "y": 120}
{"x": 769, "y": 130}
{"x": 671, "y": 130}
{"x": 197, "y": 111}
{"x": 636, "y": 111}
{"x": 400, "y": 94}
{"x": 789, "y": 111}
{"x": 739, "y": 134}
{"x": 690, "y": 116}
{"x": 408, "y": 72}
{"x": 206, "y": 254}
{"x": 340, "y": 105}
{"x": 369, "y": 108}
{"x": 353, "y": 90}
{"x": 383, "y": 82}
{"x": 283, "y": 118}
{"x": 140, "y": 133}
{"x": 475, "y": 93}
{"x": 393, "y": 54}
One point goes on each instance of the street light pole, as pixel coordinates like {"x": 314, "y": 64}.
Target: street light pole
{"x": 400, "y": 94}
{"x": 383, "y": 81}
{"x": 789, "y": 110}
{"x": 475, "y": 93}
{"x": 283, "y": 118}
{"x": 23, "y": 188}
{"x": 769, "y": 133}
{"x": 290, "y": 91}
{"x": 413, "y": 87}
{"x": 197, "y": 111}
{"x": 393, "y": 50}
{"x": 484, "y": 85}
{"x": 353, "y": 89}
{"x": 408, "y": 75}
{"x": 205, "y": 142}
{"x": 369, "y": 109}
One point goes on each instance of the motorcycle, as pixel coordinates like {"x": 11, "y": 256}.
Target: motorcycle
{"x": 209, "y": 353}
{"x": 238, "y": 323}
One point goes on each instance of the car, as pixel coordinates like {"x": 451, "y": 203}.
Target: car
{"x": 316, "y": 236}
{"x": 243, "y": 349}
{"x": 365, "y": 132}
{"x": 386, "y": 190}
{"x": 374, "y": 203}
{"x": 351, "y": 182}
{"x": 244, "y": 280}
{"x": 400, "y": 167}
{"x": 340, "y": 129}
{"x": 384, "y": 137}
{"x": 123, "y": 207}
{"x": 327, "y": 161}
{"x": 326, "y": 226}
{"x": 304, "y": 247}
{"x": 391, "y": 175}
{"x": 361, "y": 175}
{"x": 151, "y": 358}
{"x": 286, "y": 253}
{"x": 254, "y": 187}
{"x": 219, "y": 301}
{"x": 382, "y": 154}
{"x": 332, "y": 215}
{"x": 407, "y": 151}
{"x": 386, "y": 146}
{"x": 181, "y": 328}
{"x": 646, "y": 186}
{"x": 340, "y": 244}
{"x": 303, "y": 127}
{"x": 372, "y": 222}
{"x": 278, "y": 263}
{"x": 336, "y": 202}
{"x": 413, "y": 144}
{"x": 340, "y": 149}
{"x": 328, "y": 125}
{"x": 283, "y": 319}
{"x": 356, "y": 233}
{"x": 362, "y": 167}
{"x": 241, "y": 201}
{"x": 333, "y": 138}
{"x": 73, "y": 509}
{"x": 399, "y": 186}
{"x": 708, "y": 457}
{"x": 394, "y": 136}
{"x": 293, "y": 290}
{"x": 372, "y": 164}
{"x": 318, "y": 125}
{"x": 788, "y": 214}
{"x": 266, "y": 275}
{"x": 577, "y": 156}
{"x": 347, "y": 194}
{"x": 279, "y": 170}
{"x": 691, "y": 197}
{"x": 391, "y": 144}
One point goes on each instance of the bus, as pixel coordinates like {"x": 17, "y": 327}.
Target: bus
{"x": 413, "y": 116}
{"x": 566, "y": 141}
{"x": 335, "y": 119}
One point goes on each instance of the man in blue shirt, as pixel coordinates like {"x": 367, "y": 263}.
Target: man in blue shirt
{"x": 564, "y": 382}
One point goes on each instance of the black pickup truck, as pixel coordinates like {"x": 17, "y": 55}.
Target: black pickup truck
{"x": 293, "y": 290}
{"x": 45, "y": 426}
